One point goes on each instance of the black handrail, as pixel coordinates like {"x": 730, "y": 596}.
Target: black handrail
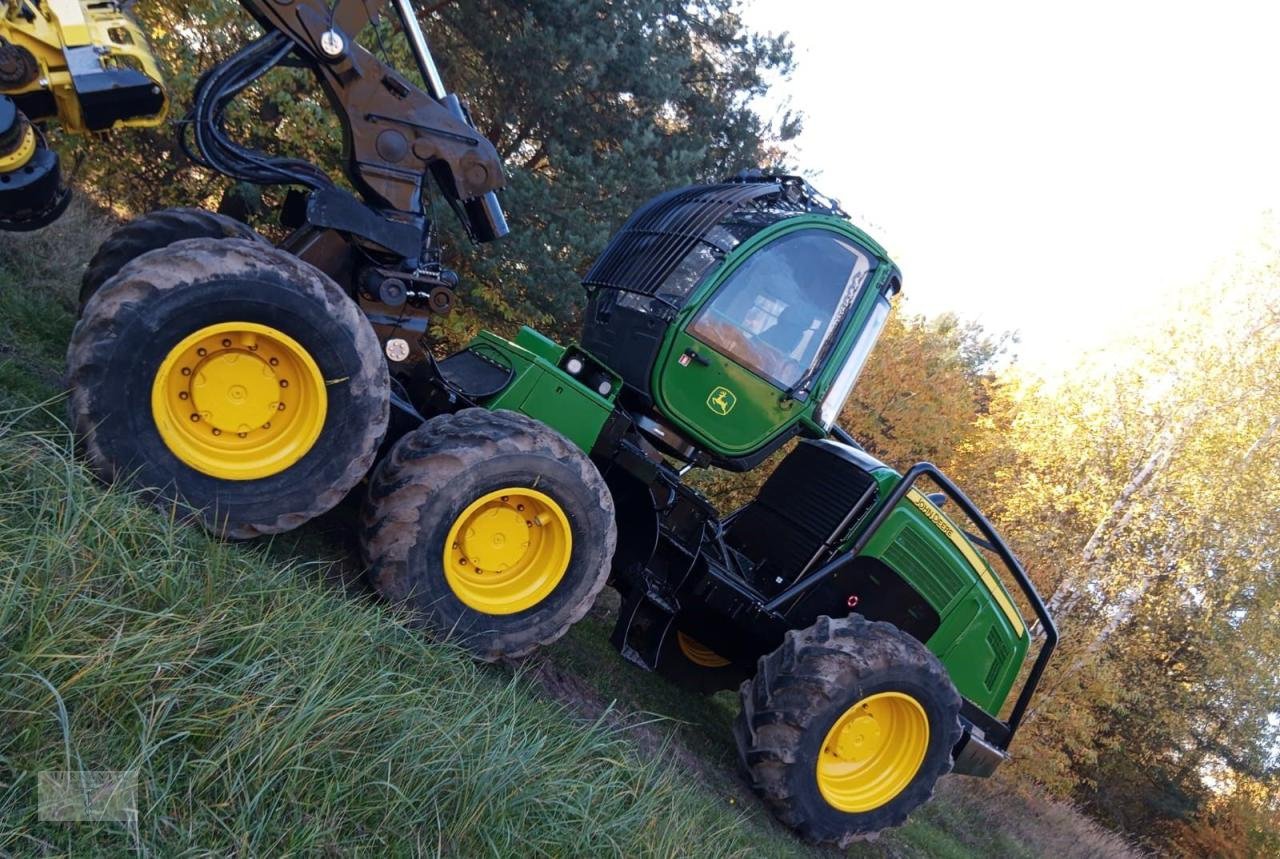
{"x": 926, "y": 469}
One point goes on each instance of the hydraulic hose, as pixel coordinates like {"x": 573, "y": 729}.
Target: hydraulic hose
{"x": 214, "y": 147}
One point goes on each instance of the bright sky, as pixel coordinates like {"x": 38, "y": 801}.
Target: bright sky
{"x": 1055, "y": 168}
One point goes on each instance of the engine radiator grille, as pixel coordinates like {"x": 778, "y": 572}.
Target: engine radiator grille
{"x": 800, "y": 507}
{"x": 1001, "y": 650}
{"x": 933, "y": 575}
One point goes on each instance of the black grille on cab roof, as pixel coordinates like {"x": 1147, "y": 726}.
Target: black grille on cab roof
{"x": 662, "y": 232}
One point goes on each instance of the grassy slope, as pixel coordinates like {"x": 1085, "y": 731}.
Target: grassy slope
{"x": 269, "y": 713}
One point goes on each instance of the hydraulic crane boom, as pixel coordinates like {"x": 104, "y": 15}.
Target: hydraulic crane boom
{"x": 84, "y": 63}
{"x": 395, "y": 134}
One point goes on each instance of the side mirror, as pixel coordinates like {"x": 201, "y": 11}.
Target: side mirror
{"x": 937, "y": 498}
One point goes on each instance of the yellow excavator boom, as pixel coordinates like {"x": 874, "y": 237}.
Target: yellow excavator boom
{"x": 82, "y": 63}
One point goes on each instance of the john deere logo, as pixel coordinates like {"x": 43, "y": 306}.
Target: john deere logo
{"x": 721, "y": 401}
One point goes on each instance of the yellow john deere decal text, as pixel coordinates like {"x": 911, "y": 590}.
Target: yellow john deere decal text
{"x": 975, "y": 560}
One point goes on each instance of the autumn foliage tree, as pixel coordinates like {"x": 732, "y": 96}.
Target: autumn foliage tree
{"x": 1142, "y": 488}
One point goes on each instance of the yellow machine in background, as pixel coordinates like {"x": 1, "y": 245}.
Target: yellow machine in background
{"x": 84, "y": 64}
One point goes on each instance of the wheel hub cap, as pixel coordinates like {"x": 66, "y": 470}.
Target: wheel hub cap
{"x": 496, "y": 538}
{"x": 873, "y": 751}
{"x": 507, "y": 551}
{"x": 859, "y": 740}
{"x": 239, "y": 401}
{"x": 236, "y": 392}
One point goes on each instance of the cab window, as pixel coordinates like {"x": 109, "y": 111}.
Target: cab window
{"x": 778, "y": 311}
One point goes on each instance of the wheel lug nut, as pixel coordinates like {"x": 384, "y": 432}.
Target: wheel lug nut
{"x": 243, "y": 434}
{"x": 186, "y": 371}
{"x": 182, "y": 395}
{"x": 267, "y": 425}
{"x": 195, "y": 418}
{"x": 284, "y": 383}
{"x": 226, "y": 344}
{"x": 274, "y": 361}
{"x": 217, "y": 431}
{"x": 280, "y": 407}
{"x": 520, "y": 507}
{"x": 202, "y": 351}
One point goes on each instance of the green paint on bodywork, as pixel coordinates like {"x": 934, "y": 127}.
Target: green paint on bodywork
{"x": 544, "y": 391}
{"x": 731, "y": 411}
{"x": 975, "y": 641}
{"x": 762, "y": 410}
{"x": 539, "y": 344}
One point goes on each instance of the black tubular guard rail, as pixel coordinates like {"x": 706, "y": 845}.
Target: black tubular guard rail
{"x": 926, "y": 469}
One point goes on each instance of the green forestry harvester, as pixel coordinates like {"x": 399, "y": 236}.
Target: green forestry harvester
{"x": 872, "y": 641}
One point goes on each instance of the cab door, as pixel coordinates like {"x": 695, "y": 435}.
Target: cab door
{"x": 741, "y": 356}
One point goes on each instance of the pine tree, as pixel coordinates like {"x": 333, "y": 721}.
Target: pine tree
{"x": 595, "y": 107}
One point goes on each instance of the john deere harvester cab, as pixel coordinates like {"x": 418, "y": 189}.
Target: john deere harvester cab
{"x": 737, "y": 315}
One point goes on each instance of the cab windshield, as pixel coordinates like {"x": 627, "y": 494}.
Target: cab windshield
{"x": 778, "y": 311}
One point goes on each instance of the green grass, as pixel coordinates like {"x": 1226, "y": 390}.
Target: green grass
{"x": 268, "y": 715}
{"x": 269, "y": 712}
{"x": 967, "y": 819}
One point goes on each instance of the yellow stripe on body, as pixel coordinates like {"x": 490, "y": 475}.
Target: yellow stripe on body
{"x": 975, "y": 560}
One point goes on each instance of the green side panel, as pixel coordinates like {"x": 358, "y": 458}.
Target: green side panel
{"x": 722, "y": 405}
{"x": 559, "y": 402}
{"x": 923, "y": 559}
{"x": 979, "y": 651}
{"x": 539, "y": 344}
{"x": 540, "y": 389}
{"x": 910, "y": 545}
{"x": 975, "y": 640}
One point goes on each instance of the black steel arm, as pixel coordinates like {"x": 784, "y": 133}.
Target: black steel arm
{"x": 394, "y": 134}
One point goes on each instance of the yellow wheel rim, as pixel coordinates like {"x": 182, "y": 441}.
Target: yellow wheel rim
{"x": 239, "y": 401}
{"x": 20, "y": 156}
{"x": 507, "y": 551}
{"x": 698, "y": 653}
{"x": 873, "y": 751}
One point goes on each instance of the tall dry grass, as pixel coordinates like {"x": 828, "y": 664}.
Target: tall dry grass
{"x": 268, "y": 716}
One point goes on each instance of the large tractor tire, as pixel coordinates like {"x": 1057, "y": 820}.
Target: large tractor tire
{"x": 847, "y": 727}
{"x": 496, "y": 531}
{"x": 230, "y": 379}
{"x": 153, "y": 231}
{"x": 691, "y": 665}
